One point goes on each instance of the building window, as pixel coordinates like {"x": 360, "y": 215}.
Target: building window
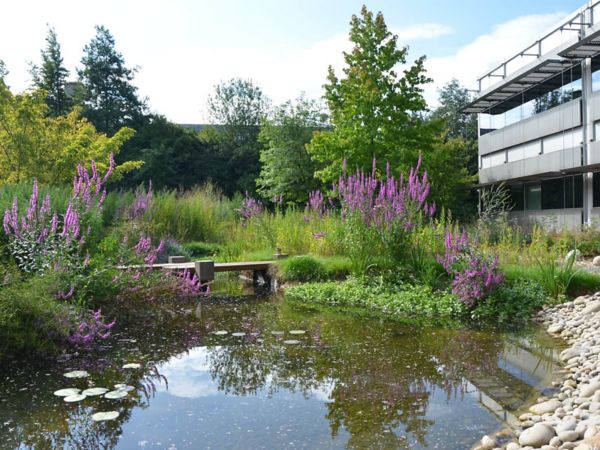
{"x": 596, "y": 189}
{"x": 533, "y": 197}
{"x": 553, "y": 194}
{"x": 578, "y": 191}
{"x": 516, "y": 197}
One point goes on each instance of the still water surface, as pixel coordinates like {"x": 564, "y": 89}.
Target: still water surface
{"x": 346, "y": 382}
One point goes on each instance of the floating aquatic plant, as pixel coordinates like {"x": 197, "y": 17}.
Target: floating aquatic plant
{"x": 116, "y": 395}
{"x": 74, "y": 398}
{"x": 132, "y": 366}
{"x": 105, "y": 415}
{"x": 95, "y": 391}
{"x": 67, "y": 392}
{"x": 77, "y": 374}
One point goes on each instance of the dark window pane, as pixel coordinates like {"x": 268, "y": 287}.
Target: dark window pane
{"x": 533, "y": 197}
{"x": 578, "y": 191}
{"x": 569, "y": 195}
{"x": 553, "y": 194}
{"x": 516, "y": 197}
{"x": 596, "y": 182}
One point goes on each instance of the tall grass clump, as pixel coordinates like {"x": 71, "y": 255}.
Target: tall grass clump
{"x": 196, "y": 215}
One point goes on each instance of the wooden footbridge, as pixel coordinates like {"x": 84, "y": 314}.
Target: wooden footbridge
{"x": 205, "y": 270}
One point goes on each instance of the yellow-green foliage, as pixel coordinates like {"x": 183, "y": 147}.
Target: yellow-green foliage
{"x": 35, "y": 145}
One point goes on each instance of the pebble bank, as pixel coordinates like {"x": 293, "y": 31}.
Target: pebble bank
{"x": 570, "y": 418}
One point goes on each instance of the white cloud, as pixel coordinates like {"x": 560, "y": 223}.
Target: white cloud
{"x": 422, "y": 31}
{"x": 487, "y": 51}
{"x": 177, "y": 71}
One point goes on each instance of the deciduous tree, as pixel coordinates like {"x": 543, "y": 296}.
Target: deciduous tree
{"x": 375, "y": 112}
{"x": 286, "y": 167}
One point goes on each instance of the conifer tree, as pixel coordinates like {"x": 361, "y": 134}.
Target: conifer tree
{"x": 51, "y": 76}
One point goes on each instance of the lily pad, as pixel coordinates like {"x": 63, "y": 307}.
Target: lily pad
{"x": 277, "y": 333}
{"x": 74, "y": 398}
{"x": 239, "y": 334}
{"x": 105, "y": 415}
{"x": 124, "y": 387}
{"x": 77, "y": 374}
{"x": 132, "y": 366}
{"x": 220, "y": 333}
{"x": 291, "y": 342}
{"x": 67, "y": 392}
{"x": 95, "y": 391}
{"x": 297, "y": 331}
{"x": 115, "y": 395}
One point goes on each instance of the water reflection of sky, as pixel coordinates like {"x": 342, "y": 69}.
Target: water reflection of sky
{"x": 193, "y": 413}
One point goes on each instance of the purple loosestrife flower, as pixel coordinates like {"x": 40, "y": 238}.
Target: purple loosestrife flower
{"x": 250, "y": 208}
{"x": 475, "y": 276}
{"x": 90, "y": 329}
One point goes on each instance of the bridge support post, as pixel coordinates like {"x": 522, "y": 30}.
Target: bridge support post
{"x": 205, "y": 270}
{"x": 177, "y": 259}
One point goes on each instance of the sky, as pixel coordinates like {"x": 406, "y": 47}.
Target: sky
{"x": 183, "y": 48}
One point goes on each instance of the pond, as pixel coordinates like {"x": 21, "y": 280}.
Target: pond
{"x": 281, "y": 377}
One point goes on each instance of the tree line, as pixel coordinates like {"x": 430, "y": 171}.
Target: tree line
{"x": 373, "y": 110}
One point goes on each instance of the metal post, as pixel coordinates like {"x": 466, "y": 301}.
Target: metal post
{"x": 588, "y": 134}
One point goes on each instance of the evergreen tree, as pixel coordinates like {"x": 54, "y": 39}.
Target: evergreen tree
{"x": 109, "y": 98}
{"x": 375, "y": 113}
{"x": 52, "y": 76}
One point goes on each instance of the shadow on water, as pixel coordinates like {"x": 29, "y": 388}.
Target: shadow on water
{"x": 344, "y": 382}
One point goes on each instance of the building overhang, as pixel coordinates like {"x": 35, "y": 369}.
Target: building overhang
{"x": 579, "y": 38}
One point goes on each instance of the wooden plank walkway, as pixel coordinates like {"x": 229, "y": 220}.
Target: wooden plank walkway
{"x": 207, "y": 269}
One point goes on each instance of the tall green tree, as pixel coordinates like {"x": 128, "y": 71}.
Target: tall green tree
{"x": 51, "y": 76}
{"x": 287, "y": 169}
{"x": 375, "y": 112}
{"x": 453, "y": 97}
{"x": 236, "y": 109}
{"x": 173, "y": 157}
{"x": 109, "y": 98}
{"x": 457, "y": 149}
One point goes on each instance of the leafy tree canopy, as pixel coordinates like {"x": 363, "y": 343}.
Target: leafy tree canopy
{"x": 375, "y": 113}
{"x": 287, "y": 168}
{"x": 51, "y": 76}
{"x": 173, "y": 156}
{"x": 109, "y": 98}
{"x": 36, "y": 145}
{"x": 236, "y": 109}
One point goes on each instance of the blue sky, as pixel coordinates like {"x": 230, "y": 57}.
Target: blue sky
{"x": 184, "y": 47}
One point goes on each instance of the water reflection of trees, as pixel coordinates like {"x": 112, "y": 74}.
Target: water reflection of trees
{"x": 380, "y": 377}
{"x": 382, "y": 386}
{"x": 46, "y": 422}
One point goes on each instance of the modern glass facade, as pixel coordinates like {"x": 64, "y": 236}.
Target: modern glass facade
{"x": 555, "y": 193}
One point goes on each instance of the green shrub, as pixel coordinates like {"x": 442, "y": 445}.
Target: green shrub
{"x": 198, "y": 249}
{"x": 512, "y": 302}
{"x": 582, "y": 282}
{"x": 392, "y": 301}
{"x": 302, "y": 268}
{"x": 31, "y": 319}
{"x": 337, "y": 267}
